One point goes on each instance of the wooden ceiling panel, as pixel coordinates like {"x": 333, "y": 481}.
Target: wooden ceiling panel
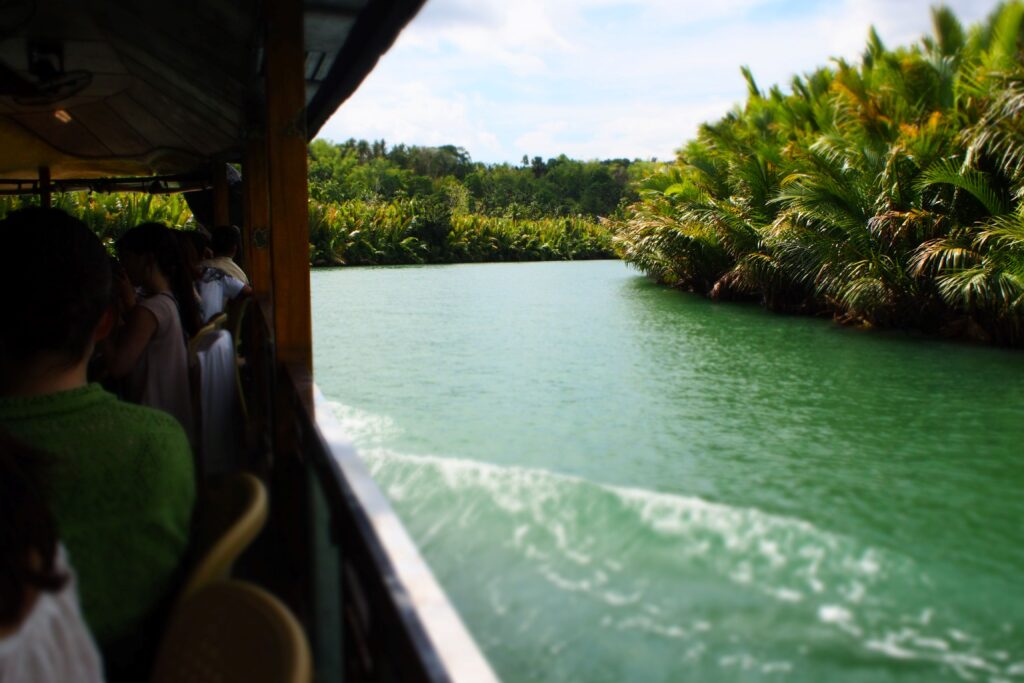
{"x": 313, "y": 61}
{"x": 182, "y": 39}
{"x": 193, "y": 132}
{"x": 116, "y": 134}
{"x": 148, "y": 125}
{"x": 171, "y": 84}
{"x": 220, "y": 96}
{"x": 93, "y": 56}
{"x": 325, "y": 68}
{"x": 323, "y": 28}
{"x": 71, "y": 138}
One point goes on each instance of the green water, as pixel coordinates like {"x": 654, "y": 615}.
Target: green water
{"x": 618, "y": 482}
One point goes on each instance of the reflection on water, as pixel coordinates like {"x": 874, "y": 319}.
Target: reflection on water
{"x": 619, "y": 482}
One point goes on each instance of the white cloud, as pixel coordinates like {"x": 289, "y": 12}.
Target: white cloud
{"x": 602, "y": 78}
{"x": 411, "y": 112}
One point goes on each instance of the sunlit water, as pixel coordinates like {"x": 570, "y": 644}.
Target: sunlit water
{"x": 619, "y": 482}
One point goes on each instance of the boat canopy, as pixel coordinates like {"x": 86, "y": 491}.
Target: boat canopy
{"x": 102, "y": 88}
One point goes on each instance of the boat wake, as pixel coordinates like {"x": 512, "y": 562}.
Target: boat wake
{"x": 534, "y": 559}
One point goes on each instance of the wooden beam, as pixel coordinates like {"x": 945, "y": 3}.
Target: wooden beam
{"x": 221, "y": 212}
{"x": 45, "y": 188}
{"x": 256, "y": 216}
{"x": 286, "y": 155}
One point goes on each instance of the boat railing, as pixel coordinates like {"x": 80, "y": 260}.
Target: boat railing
{"x": 373, "y": 609}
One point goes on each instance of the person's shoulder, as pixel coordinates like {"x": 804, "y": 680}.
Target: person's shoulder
{"x": 150, "y": 425}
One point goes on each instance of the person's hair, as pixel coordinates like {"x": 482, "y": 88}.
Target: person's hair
{"x": 189, "y": 252}
{"x": 28, "y": 534}
{"x": 224, "y": 238}
{"x": 55, "y": 285}
{"x": 200, "y": 241}
{"x": 159, "y": 242}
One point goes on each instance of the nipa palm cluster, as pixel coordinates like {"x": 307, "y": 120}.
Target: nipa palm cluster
{"x": 886, "y": 193}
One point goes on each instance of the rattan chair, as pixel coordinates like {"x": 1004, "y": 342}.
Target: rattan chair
{"x": 231, "y": 513}
{"x": 215, "y": 323}
{"x": 233, "y": 632}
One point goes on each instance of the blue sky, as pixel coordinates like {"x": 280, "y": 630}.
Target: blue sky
{"x": 602, "y": 78}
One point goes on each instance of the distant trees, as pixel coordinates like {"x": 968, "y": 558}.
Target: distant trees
{"x": 357, "y": 169}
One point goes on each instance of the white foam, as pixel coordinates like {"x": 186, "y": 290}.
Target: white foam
{"x": 365, "y": 429}
{"x": 788, "y": 560}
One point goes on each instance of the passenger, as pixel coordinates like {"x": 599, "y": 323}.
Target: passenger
{"x": 121, "y": 484}
{"x": 224, "y": 241}
{"x": 213, "y": 287}
{"x": 149, "y": 350}
{"x": 216, "y": 288}
{"x": 43, "y": 637}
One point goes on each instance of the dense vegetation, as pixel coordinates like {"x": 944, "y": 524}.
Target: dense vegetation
{"x": 375, "y": 205}
{"x": 111, "y": 215}
{"x": 885, "y": 193}
{"x": 357, "y": 169}
{"x": 358, "y": 232}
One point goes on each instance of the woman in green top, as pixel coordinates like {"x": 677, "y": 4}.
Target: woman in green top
{"x": 121, "y": 482}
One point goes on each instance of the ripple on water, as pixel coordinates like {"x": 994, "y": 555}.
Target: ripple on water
{"x": 745, "y": 590}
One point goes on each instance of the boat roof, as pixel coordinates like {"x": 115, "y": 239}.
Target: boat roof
{"x": 102, "y": 88}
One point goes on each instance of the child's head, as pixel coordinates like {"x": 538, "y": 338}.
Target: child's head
{"x": 224, "y": 240}
{"x": 55, "y": 284}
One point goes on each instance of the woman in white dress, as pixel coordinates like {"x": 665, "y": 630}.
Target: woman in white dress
{"x": 150, "y": 349}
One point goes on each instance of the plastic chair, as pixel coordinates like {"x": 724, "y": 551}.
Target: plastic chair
{"x": 233, "y": 632}
{"x": 231, "y": 514}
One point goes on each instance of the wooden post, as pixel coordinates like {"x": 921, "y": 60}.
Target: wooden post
{"x": 289, "y": 527}
{"x": 45, "y": 188}
{"x": 221, "y": 213}
{"x": 286, "y": 155}
{"x": 256, "y": 219}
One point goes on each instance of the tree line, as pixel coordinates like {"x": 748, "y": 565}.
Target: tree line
{"x": 538, "y": 188}
{"x": 371, "y": 204}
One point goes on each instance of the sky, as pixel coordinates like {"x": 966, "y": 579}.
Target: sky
{"x": 601, "y": 79}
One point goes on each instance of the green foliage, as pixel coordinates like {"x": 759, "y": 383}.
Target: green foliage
{"x": 373, "y": 205}
{"x": 360, "y": 232}
{"x": 111, "y": 215}
{"x": 886, "y": 193}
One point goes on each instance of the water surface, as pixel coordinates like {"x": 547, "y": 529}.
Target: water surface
{"x": 619, "y": 482}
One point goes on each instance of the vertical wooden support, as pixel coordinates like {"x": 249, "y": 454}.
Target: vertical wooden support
{"x": 221, "y": 213}
{"x": 45, "y": 188}
{"x": 286, "y": 154}
{"x": 289, "y": 527}
{"x": 256, "y": 220}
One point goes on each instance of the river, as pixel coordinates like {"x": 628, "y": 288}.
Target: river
{"x": 619, "y": 482}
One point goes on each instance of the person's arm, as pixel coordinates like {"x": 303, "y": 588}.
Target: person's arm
{"x": 126, "y": 346}
{"x": 233, "y": 287}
